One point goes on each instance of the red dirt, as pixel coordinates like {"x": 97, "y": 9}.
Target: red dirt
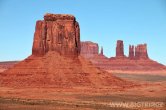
{"x": 6, "y": 65}
{"x": 54, "y": 70}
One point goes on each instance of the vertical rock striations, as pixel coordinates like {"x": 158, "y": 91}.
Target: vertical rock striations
{"x": 119, "y": 49}
{"x": 136, "y": 62}
{"x": 138, "y": 52}
{"x": 101, "y": 53}
{"x": 88, "y": 49}
{"x": 56, "y": 37}
{"x": 131, "y": 52}
{"x": 58, "y": 33}
{"x": 141, "y": 51}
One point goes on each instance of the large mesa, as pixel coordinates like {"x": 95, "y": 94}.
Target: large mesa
{"x": 89, "y": 49}
{"x": 56, "y": 37}
{"x": 141, "y": 52}
{"x": 57, "y": 32}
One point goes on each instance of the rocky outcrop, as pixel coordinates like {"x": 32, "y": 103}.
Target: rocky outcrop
{"x": 138, "y": 52}
{"x": 88, "y": 49}
{"x": 101, "y": 53}
{"x": 137, "y": 61}
{"x": 119, "y": 49}
{"x": 58, "y": 33}
{"x": 55, "y": 38}
{"x": 131, "y": 52}
{"x": 141, "y": 51}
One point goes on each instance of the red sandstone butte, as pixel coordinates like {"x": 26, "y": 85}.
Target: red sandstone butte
{"x": 98, "y": 59}
{"x": 137, "y": 61}
{"x": 88, "y": 49}
{"x": 119, "y": 49}
{"x": 141, "y": 51}
{"x": 101, "y": 53}
{"x": 131, "y": 52}
{"x": 56, "y": 60}
{"x": 60, "y": 33}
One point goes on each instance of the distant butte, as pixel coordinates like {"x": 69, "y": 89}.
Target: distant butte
{"x": 89, "y": 48}
{"x": 119, "y": 49}
{"x": 56, "y": 60}
{"x": 137, "y": 62}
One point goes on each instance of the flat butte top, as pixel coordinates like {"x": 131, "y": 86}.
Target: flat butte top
{"x": 88, "y": 43}
{"x": 54, "y": 17}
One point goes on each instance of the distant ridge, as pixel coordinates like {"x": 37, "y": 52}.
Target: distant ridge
{"x": 137, "y": 61}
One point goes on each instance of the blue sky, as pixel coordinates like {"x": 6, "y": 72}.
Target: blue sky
{"x": 101, "y": 21}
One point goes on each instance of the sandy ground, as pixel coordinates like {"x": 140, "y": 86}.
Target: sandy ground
{"x": 82, "y": 98}
{"x": 2, "y": 70}
{"x": 154, "y": 72}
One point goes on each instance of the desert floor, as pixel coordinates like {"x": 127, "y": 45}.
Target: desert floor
{"x": 152, "y": 89}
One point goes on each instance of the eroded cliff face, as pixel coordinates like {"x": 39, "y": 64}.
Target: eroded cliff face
{"x": 101, "y": 52}
{"x": 56, "y": 37}
{"x": 138, "y": 52}
{"x": 131, "y": 52}
{"x": 60, "y": 33}
{"x": 119, "y": 49}
{"x": 137, "y": 61}
{"x": 141, "y": 51}
{"x": 89, "y": 49}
